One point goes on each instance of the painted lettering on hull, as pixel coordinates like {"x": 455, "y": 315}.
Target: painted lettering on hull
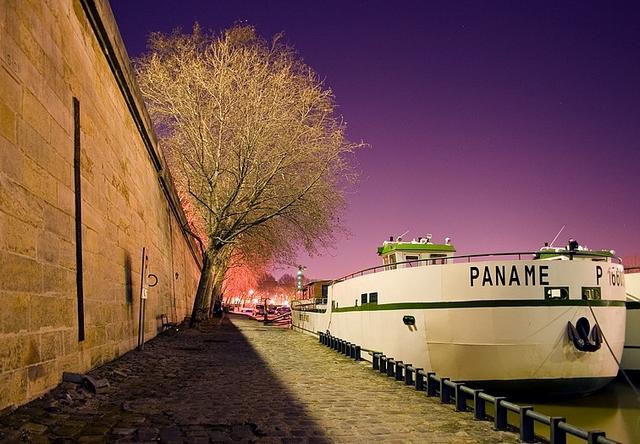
{"x": 508, "y": 276}
{"x": 615, "y": 277}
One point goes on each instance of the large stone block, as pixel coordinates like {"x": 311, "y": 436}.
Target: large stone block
{"x": 17, "y": 236}
{"x": 58, "y": 280}
{"x": 8, "y": 121}
{"x": 17, "y": 26}
{"x": 70, "y": 340}
{"x": 41, "y": 377}
{"x": 19, "y": 351}
{"x": 13, "y": 386}
{"x": 51, "y": 346}
{"x": 66, "y": 199}
{"x": 38, "y": 180}
{"x": 34, "y": 112}
{"x": 52, "y": 312}
{"x": 20, "y": 273}
{"x": 62, "y": 142}
{"x": 10, "y": 90}
{"x": 60, "y": 111}
{"x": 58, "y": 222}
{"x": 14, "y": 316}
{"x": 51, "y": 249}
{"x": 17, "y": 201}
{"x": 11, "y": 160}
{"x": 70, "y": 363}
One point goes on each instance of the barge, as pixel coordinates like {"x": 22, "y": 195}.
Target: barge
{"x": 508, "y": 322}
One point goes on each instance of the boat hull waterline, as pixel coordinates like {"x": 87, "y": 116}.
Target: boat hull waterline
{"x": 485, "y": 323}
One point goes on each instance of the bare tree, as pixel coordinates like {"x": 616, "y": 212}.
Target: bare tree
{"x": 254, "y": 138}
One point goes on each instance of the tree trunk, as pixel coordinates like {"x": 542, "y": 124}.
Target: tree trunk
{"x": 215, "y": 293}
{"x": 203, "y": 286}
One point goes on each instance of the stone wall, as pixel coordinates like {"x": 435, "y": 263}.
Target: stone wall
{"x": 51, "y": 52}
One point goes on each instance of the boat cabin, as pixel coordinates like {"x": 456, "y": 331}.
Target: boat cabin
{"x": 574, "y": 251}
{"x": 316, "y": 290}
{"x": 422, "y": 249}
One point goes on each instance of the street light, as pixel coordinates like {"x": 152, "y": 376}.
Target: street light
{"x": 300, "y": 278}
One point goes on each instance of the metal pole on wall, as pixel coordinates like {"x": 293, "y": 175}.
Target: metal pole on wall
{"x": 143, "y": 298}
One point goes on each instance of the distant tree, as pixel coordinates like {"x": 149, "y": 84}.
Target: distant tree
{"x": 287, "y": 280}
{"x": 253, "y": 139}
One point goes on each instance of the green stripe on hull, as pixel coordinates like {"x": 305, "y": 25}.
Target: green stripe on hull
{"x": 633, "y": 305}
{"x": 482, "y": 304}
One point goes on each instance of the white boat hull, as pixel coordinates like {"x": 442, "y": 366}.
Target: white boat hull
{"x": 498, "y": 336}
{"x": 631, "y": 356}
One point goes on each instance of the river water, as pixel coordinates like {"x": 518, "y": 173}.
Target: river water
{"x": 615, "y": 409}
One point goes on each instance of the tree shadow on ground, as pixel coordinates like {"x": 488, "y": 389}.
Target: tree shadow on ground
{"x": 193, "y": 386}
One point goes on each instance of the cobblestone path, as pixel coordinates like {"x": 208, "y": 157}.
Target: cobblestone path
{"x": 244, "y": 382}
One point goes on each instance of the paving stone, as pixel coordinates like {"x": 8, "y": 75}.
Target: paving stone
{"x": 35, "y": 428}
{"x": 244, "y": 382}
{"x": 147, "y": 433}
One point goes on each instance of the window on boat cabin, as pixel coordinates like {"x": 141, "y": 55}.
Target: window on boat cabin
{"x": 373, "y": 298}
{"x": 363, "y": 298}
{"x": 438, "y": 261}
{"x": 412, "y": 258}
{"x": 556, "y": 292}
{"x": 591, "y": 293}
{"x": 325, "y": 291}
{"x": 392, "y": 261}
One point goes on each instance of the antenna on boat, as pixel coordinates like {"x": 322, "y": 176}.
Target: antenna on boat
{"x": 555, "y": 238}
{"x": 399, "y": 238}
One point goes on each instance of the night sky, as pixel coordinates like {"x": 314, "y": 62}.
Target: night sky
{"x": 494, "y": 123}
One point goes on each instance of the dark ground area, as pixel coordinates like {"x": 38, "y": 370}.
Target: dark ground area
{"x": 240, "y": 382}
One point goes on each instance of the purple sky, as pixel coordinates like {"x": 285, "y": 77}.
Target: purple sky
{"x": 494, "y": 123}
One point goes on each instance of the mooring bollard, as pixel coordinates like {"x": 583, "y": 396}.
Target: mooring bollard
{"x": 479, "y": 409}
{"x": 445, "y": 393}
{"x": 461, "y": 397}
{"x": 419, "y": 379}
{"x": 556, "y": 434}
{"x": 391, "y": 367}
{"x": 376, "y": 361}
{"x": 383, "y": 364}
{"x": 526, "y": 424}
{"x": 593, "y": 435}
{"x": 500, "y": 418}
{"x": 399, "y": 367}
{"x": 431, "y": 384}
{"x": 408, "y": 374}
{"x": 357, "y": 357}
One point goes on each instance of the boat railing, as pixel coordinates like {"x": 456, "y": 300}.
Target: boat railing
{"x": 526, "y": 255}
{"x": 460, "y": 394}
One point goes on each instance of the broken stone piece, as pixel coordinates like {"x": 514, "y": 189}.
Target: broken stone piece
{"x": 95, "y": 385}
{"x": 75, "y": 378}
